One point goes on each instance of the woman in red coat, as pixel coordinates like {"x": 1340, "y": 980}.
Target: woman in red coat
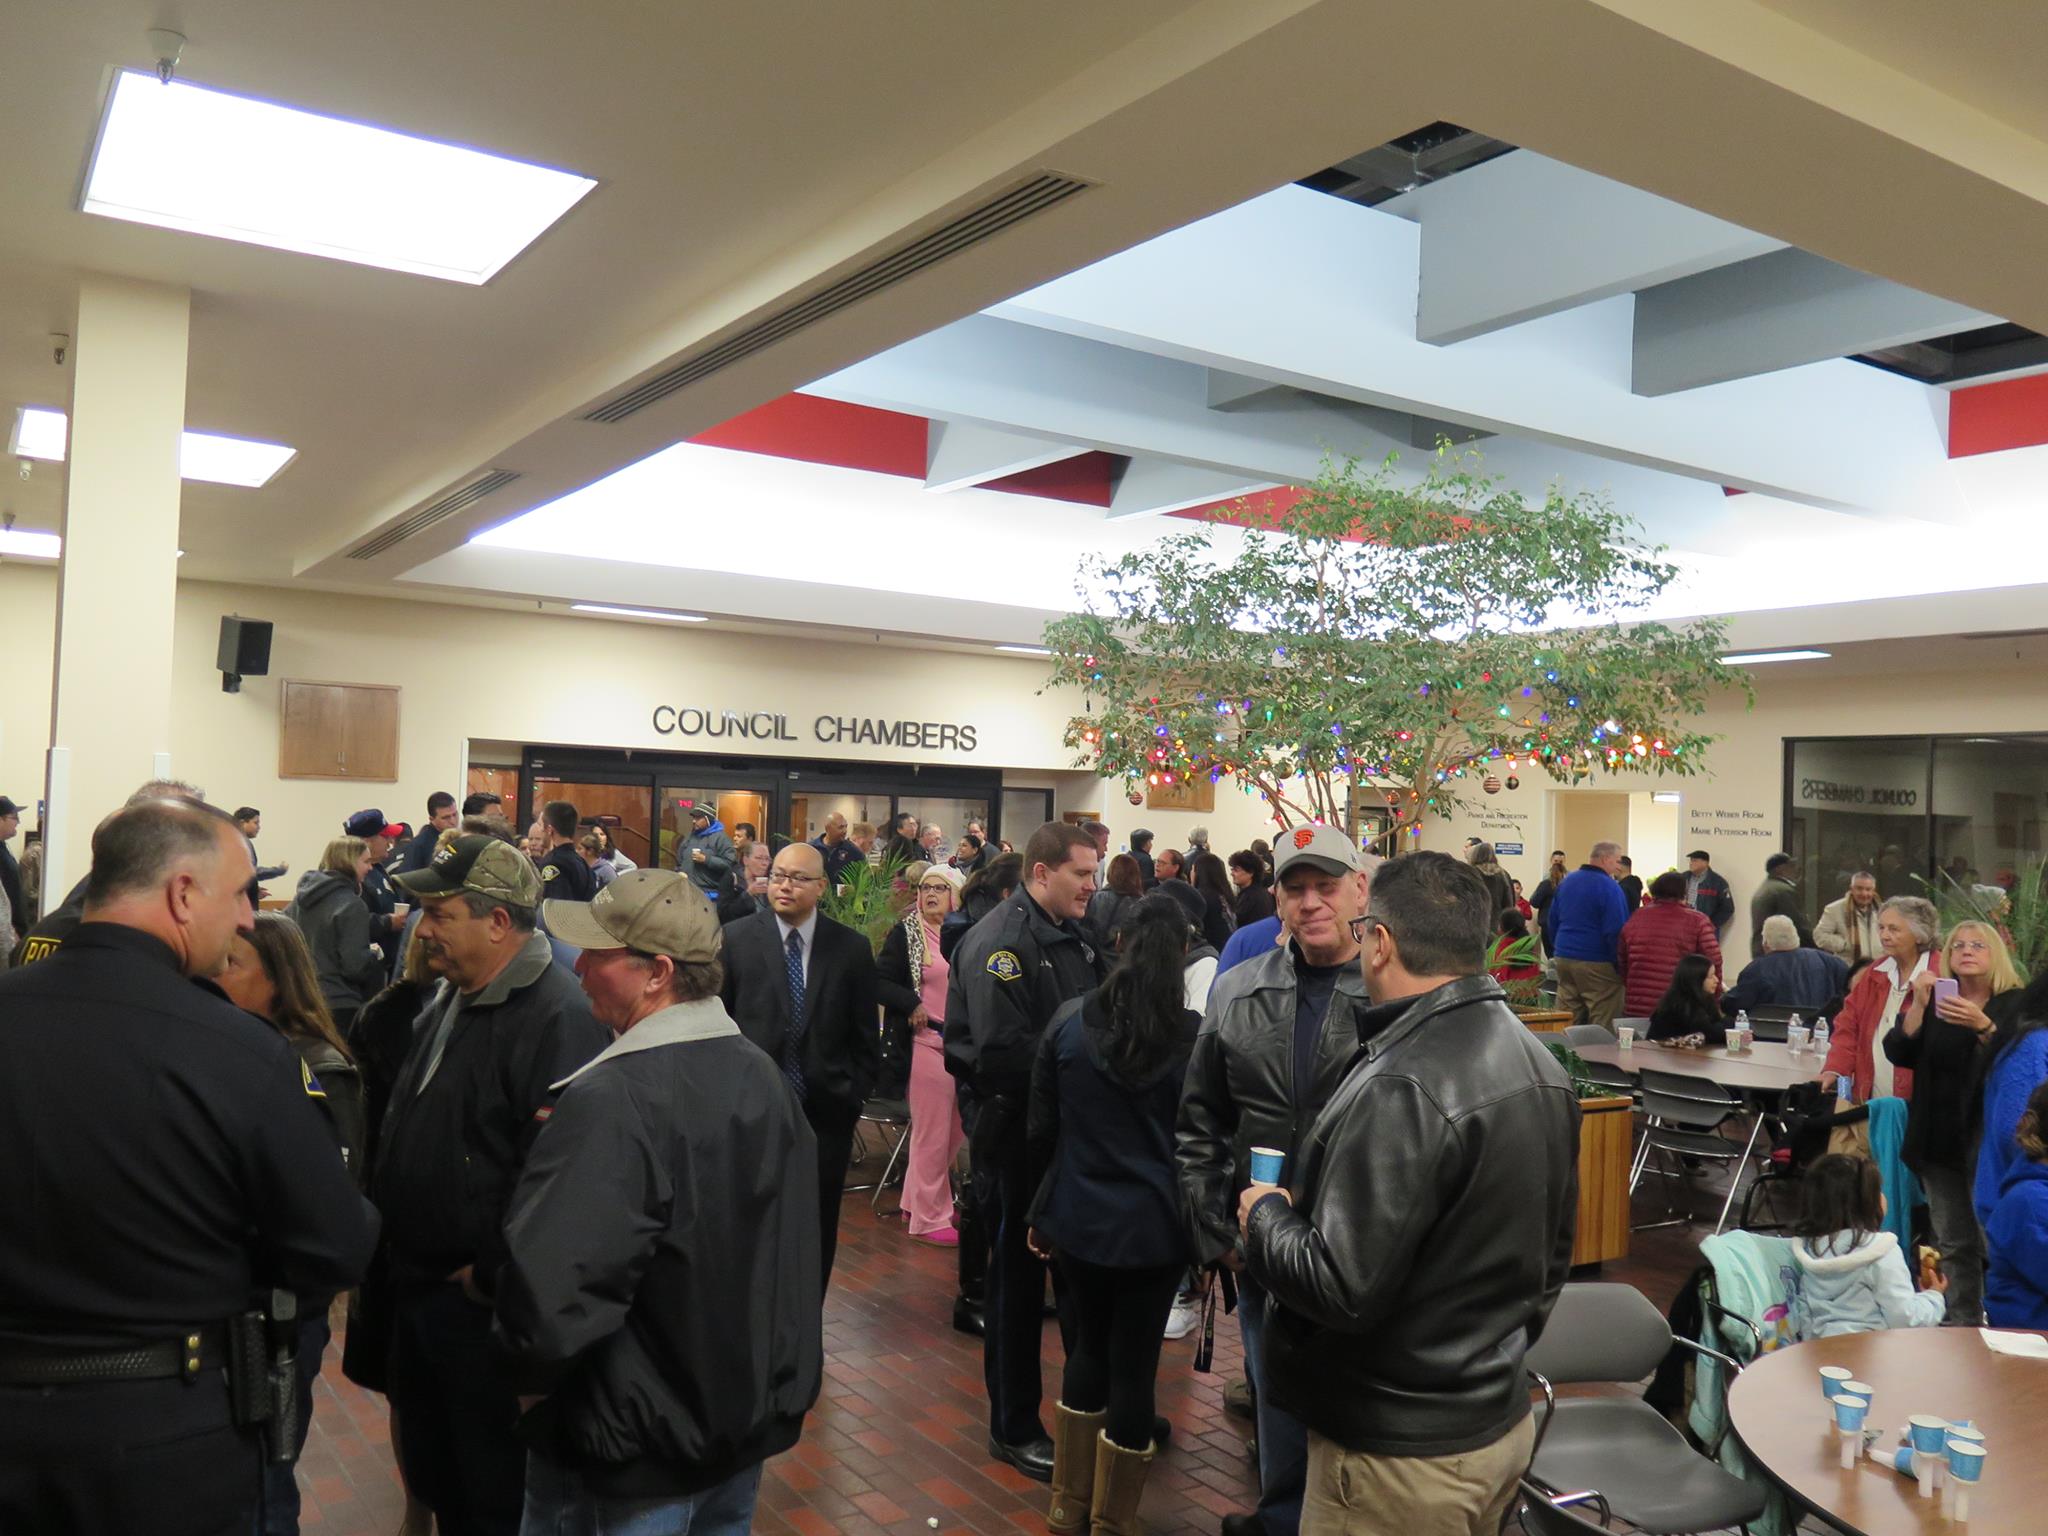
{"x": 1655, "y": 938}
{"x": 1908, "y": 928}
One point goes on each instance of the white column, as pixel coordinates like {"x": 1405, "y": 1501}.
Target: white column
{"x": 110, "y": 718}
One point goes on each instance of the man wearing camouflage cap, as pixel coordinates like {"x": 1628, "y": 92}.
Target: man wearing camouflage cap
{"x": 662, "y": 1295}
{"x": 505, "y": 1024}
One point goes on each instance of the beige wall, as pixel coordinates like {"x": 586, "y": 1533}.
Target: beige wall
{"x": 509, "y": 677}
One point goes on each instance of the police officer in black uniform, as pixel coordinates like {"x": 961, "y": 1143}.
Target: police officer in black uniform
{"x": 57, "y": 922}
{"x": 378, "y": 893}
{"x": 1010, "y": 976}
{"x": 162, "y": 1163}
{"x": 563, "y": 874}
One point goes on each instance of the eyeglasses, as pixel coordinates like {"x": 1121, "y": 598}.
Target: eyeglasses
{"x": 1358, "y": 927}
{"x": 783, "y": 877}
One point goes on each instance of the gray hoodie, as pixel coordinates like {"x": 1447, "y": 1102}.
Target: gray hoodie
{"x": 330, "y": 913}
{"x": 1855, "y": 1282}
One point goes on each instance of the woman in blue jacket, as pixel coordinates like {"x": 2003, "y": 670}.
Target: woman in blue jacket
{"x": 2016, "y": 1280}
{"x": 1105, "y": 1090}
{"x": 2019, "y": 1064}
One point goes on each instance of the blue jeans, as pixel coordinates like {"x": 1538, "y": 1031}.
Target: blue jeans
{"x": 280, "y": 1482}
{"x": 558, "y": 1504}
{"x": 1283, "y": 1439}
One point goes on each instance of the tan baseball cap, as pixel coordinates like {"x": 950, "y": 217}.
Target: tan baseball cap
{"x": 1320, "y": 847}
{"x": 481, "y": 864}
{"x": 654, "y": 911}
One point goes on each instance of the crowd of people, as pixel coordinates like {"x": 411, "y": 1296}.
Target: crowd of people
{"x": 570, "y": 1136}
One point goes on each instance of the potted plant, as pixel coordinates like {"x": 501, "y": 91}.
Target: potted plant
{"x": 1606, "y": 1142}
{"x": 870, "y": 899}
{"x": 1512, "y": 955}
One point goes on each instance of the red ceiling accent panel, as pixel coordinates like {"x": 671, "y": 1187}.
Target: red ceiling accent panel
{"x": 821, "y": 431}
{"x": 1990, "y": 418}
{"x": 1254, "y": 509}
{"x": 1086, "y": 478}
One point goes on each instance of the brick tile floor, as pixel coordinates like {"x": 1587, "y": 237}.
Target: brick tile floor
{"x": 899, "y": 1437}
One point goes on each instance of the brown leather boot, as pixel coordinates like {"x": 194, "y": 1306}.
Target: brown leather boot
{"x": 1073, "y": 1469}
{"x": 1119, "y": 1484}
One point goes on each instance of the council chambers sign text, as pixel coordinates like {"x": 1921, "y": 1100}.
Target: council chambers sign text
{"x": 856, "y": 730}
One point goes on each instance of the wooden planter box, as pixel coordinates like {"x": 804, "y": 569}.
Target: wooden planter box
{"x": 1545, "y": 1021}
{"x": 1605, "y": 1140}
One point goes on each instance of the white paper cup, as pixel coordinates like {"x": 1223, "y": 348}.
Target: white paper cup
{"x": 1626, "y": 1034}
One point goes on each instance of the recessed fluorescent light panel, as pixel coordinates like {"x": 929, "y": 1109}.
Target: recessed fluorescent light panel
{"x": 1025, "y": 650}
{"x": 640, "y": 613}
{"x": 1757, "y": 658}
{"x": 41, "y": 433}
{"x": 30, "y": 546}
{"x": 1665, "y": 797}
{"x": 182, "y": 157}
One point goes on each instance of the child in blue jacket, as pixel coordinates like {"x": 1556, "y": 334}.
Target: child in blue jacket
{"x": 1853, "y": 1277}
{"x": 2016, "y": 1278}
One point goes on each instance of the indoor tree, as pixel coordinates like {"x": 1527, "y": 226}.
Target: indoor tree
{"x": 1373, "y": 647}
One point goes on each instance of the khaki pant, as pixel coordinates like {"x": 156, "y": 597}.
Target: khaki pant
{"x": 1355, "y": 1493}
{"x": 1591, "y": 989}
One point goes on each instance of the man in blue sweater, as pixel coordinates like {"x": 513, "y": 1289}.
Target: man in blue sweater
{"x": 1590, "y": 910}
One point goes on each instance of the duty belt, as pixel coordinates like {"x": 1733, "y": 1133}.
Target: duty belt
{"x": 187, "y": 1356}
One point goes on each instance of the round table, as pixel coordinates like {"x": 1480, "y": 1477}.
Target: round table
{"x": 1783, "y": 1423}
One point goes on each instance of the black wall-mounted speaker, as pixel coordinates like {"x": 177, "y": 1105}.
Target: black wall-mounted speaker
{"x": 244, "y": 650}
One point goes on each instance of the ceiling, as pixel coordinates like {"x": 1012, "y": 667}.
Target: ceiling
{"x": 749, "y": 157}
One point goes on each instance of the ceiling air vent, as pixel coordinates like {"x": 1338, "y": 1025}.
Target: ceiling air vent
{"x": 433, "y": 512}
{"x": 979, "y": 223}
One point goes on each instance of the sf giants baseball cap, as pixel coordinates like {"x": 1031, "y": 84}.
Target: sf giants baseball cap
{"x": 1323, "y": 848}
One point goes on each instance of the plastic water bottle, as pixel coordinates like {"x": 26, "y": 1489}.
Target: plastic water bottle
{"x": 1843, "y": 1091}
{"x": 1820, "y": 1035}
{"x": 1742, "y": 1019}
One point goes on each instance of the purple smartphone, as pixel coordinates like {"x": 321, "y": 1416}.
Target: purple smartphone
{"x": 1944, "y": 986}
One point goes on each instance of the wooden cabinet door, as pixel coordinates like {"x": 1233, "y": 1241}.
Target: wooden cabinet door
{"x": 337, "y": 731}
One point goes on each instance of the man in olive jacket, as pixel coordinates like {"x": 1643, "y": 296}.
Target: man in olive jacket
{"x": 1426, "y": 1228}
{"x": 662, "y": 1293}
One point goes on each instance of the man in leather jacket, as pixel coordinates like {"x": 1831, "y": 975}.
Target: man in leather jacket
{"x": 1425, "y": 1230}
{"x": 1280, "y": 1030}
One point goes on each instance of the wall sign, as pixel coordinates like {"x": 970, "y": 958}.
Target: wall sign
{"x": 1829, "y": 792}
{"x": 859, "y": 730}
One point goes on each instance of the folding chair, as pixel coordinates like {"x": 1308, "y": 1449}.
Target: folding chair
{"x": 1576, "y": 1035}
{"x": 1771, "y": 1020}
{"x": 1551, "y": 1514}
{"x": 1619, "y": 1445}
{"x": 1684, "y": 1119}
{"x": 892, "y": 1116}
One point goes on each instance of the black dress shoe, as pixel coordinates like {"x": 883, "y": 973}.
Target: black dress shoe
{"x": 1033, "y": 1458}
{"x": 967, "y": 1318}
{"x": 1162, "y": 1431}
{"x": 1243, "y": 1525}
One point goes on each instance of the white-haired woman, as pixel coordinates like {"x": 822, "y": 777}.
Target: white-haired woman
{"x": 1908, "y": 929}
{"x": 912, "y": 976}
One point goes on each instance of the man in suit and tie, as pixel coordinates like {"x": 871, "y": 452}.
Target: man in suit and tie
{"x": 802, "y": 987}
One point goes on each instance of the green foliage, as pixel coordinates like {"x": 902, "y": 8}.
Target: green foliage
{"x": 2023, "y": 913}
{"x": 1504, "y": 953}
{"x": 1384, "y": 640}
{"x": 870, "y": 899}
{"x": 1576, "y": 1069}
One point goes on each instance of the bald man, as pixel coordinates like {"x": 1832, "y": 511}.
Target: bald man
{"x": 836, "y": 847}
{"x": 802, "y": 987}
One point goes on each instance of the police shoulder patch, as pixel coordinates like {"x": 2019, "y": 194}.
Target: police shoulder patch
{"x": 549, "y": 871}
{"x": 312, "y": 1083}
{"x": 1005, "y": 966}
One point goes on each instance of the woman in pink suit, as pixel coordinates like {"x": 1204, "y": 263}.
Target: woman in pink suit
{"x": 913, "y": 974}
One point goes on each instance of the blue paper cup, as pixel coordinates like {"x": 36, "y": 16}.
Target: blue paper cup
{"x": 1850, "y": 1412}
{"x": 1833, "y": 1378}
{"x": 1965, "y": 1460}
{"x": 1862, "y": 1389}
{"x": 1929, "y": 1433}
{"x": 1266, "y": 1164}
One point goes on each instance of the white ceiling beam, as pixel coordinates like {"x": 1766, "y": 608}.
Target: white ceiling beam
{"x": 1777, "y": 311}
{"x": 1155, "y": 487}
{"x": 1317, "y": 293}
{"x": 961, "y": 454}
{"x": 1524, "y": 236}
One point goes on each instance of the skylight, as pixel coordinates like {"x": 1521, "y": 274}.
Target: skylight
{"x": 639, "y": 613}
{"x": 41, "y": 433}
{"x": 30, "y": 546}
{"x": 182, "y": 157}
